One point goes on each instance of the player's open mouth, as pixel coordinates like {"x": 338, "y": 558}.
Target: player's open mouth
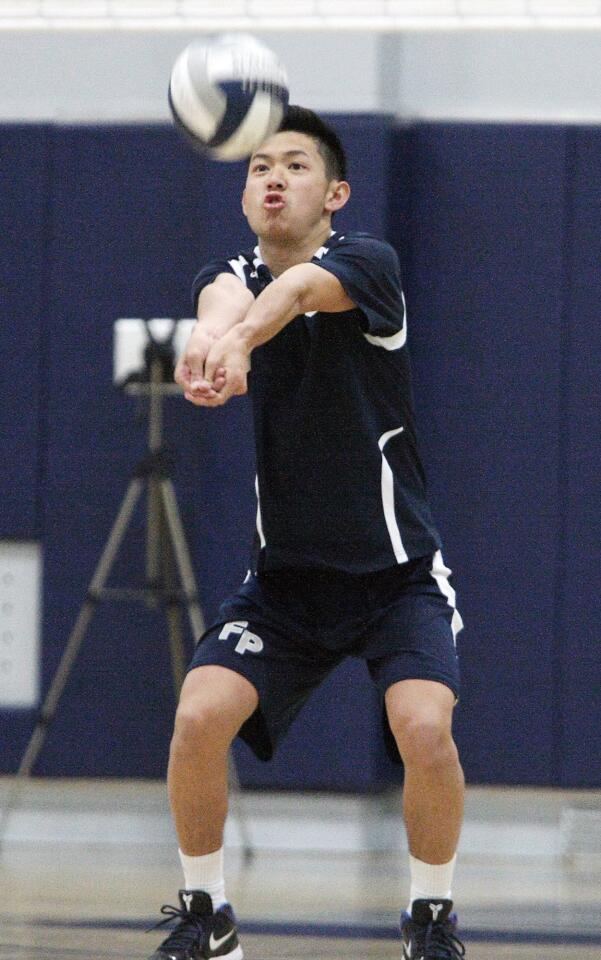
{"x": 274, "y": 201}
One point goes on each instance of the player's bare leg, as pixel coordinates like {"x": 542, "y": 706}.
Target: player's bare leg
{"x": 214, "y": 704}
{"x": 420, "y": 713}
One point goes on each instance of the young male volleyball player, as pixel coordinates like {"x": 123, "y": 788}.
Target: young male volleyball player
{"x": 347, "y": 557}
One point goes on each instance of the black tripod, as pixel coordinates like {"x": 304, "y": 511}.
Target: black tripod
{"x": 167, "y": 561}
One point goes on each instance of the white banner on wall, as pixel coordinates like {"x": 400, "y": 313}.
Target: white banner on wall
{"x": 20, "y": 584}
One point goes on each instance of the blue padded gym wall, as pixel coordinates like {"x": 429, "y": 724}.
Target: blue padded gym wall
{"x": 25, "y": 173}
{"x": 128, "y": 226}
{"x": 484, "y": 278}
{"x": 578, "y": 619}
{"x": 497, "y": 231}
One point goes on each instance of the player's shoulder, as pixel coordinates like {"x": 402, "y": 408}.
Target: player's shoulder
{"x": 246, "y": 258}
{"x": 361, "y": 243}
{"x": 242, "y": 261}
{"x": 242, "y": 264}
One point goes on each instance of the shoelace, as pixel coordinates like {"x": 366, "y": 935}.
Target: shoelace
{"x": 440, "y": 943}
{"x": 189, "y": 928}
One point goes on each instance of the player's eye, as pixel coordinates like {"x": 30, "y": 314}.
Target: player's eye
{"x": 259, "y": 167}
{"x": 297, "y": 166}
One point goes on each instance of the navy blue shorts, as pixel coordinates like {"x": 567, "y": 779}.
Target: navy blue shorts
{"x": 285, "y": 631}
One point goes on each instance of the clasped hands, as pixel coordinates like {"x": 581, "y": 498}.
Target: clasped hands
{"x": 213, "y": 369}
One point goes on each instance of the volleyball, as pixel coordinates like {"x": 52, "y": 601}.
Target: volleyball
{"x": 228, "y": 95}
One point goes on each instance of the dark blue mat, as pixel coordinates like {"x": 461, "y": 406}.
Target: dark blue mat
{"x": 354, "y": 931}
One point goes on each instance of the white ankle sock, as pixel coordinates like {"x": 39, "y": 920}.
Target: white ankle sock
{"x": 205, "y": 873}
{"x": 430, "y": 880}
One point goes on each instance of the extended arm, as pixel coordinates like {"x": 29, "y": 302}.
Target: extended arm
{"x": 221, "y": 305}
{"x": 300, "y": 289}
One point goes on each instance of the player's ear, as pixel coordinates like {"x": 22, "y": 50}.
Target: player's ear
{"x": 338, "y": 194}
{"x": 244, "y": 201}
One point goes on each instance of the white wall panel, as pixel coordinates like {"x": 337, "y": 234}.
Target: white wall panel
{"x": 501, "y": 76}
{"x": 20, "y": 577}
{"x": 495, "y": 75}
{"x": 124, "y": 76}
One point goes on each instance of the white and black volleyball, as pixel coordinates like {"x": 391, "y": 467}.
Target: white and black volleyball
{"x": 228, "y": 95}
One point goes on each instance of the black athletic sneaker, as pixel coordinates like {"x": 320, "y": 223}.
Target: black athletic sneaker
{"x": 200, "y": 934}
{"x": 429, "y": 932}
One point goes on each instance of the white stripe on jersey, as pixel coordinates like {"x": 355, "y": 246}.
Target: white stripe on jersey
{"x": 317, "y": 256}
{"x": 238, "y": 268}
{"x": 258, "y": 260}
{"x": 397, "y": 340}
{"x": 388, "y": 499}
{"x": 323, "y": 250}
{"x": 441, "y": 574}
{"x": 259, "y": 521}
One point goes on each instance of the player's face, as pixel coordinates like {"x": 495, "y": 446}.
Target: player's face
{"x": 287, "y": 193}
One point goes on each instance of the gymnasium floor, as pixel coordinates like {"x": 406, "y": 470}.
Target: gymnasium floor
{"x": 66, "y": 899}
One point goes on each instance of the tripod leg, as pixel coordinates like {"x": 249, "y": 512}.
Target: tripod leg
{"x": 155, "y": 433}
{"x": 48, "y": 709}
{"x": 153, "y": 538}
{"x": 235, "y": 796}
{"x": 173, "y": 606}
{"x": 182, "y": 557}
{"x": 176, "y": 646}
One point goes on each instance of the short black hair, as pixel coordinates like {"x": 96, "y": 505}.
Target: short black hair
{"x": 302, "y": 120}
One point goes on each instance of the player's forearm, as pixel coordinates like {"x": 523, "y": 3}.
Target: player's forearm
{"x": 221, "y": 306}
{"x": 276, "y": 306}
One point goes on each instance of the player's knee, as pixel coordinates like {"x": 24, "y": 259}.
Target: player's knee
{"x": 199, "y": 725}
{"x": 424, "y": 741}
{"x": 214, "y": 703}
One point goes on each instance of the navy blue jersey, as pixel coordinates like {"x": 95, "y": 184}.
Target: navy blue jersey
{"x": 339, "y": 480}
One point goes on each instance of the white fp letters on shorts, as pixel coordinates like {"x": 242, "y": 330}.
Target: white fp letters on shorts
{"x": 248, "y": 641}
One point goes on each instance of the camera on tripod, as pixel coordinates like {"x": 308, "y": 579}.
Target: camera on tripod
{"x": 139, "y": 345}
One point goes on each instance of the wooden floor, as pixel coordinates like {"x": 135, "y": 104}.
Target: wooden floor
{"x": 66, "y": 900}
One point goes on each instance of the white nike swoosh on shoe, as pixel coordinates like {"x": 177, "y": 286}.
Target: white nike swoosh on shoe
{"x": 215, "y": 944}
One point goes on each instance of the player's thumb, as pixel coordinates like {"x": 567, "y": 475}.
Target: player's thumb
{"x": 196, "y": 364}
{"x": 181, "y": 373}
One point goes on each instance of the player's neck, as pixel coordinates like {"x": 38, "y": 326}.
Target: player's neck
{"x": 280, "y": 255}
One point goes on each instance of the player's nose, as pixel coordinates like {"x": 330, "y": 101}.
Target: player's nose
{"x": 276, "y": 180}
